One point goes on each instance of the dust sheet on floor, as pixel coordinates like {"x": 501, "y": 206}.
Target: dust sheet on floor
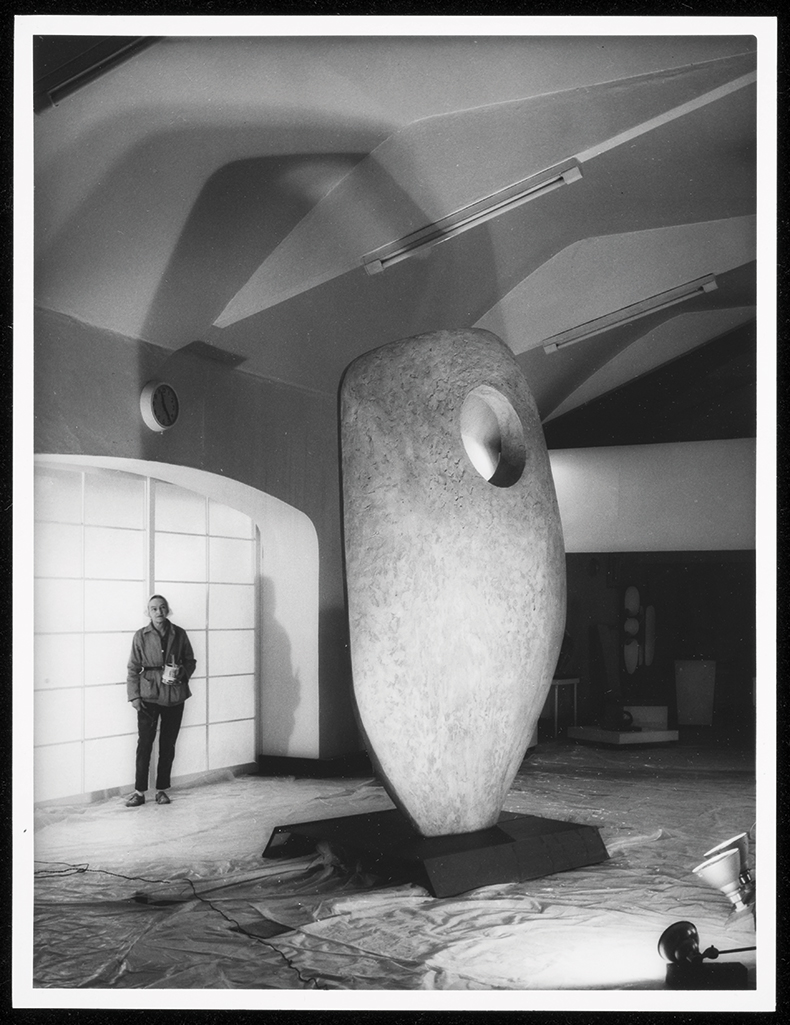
{"x": 180, "y": 896}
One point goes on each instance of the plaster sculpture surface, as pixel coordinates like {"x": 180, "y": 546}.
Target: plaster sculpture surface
{"x": 455, "y": 571}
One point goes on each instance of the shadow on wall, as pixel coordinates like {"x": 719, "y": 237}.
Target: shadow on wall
{"x": 280, "y": 685}
{"x": 339, "y": 725}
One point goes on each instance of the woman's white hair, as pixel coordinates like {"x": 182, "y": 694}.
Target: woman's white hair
{"x": 161, "y": 598}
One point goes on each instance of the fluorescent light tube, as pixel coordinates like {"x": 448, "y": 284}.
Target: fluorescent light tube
{"x": 630, "y": 313}
{"x": 470, "y": 216}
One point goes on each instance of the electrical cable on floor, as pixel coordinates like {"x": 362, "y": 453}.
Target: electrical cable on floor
{"x": 83, "y": 868}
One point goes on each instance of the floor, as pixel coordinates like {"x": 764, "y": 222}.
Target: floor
{"x": 179, "y": 897}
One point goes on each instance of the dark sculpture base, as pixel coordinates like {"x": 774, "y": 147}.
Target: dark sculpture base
{"x": 518, "y": 848}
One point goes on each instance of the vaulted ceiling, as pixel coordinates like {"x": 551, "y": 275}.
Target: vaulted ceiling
{"x": 226, "y": 190}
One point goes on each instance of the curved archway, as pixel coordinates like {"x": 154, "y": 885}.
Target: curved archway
{"x": 288, "y": 641}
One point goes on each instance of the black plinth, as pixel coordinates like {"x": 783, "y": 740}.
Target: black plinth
{"x": 518, "y": 848}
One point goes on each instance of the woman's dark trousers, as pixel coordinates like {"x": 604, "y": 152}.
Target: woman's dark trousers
{"x": 147, "y": 718}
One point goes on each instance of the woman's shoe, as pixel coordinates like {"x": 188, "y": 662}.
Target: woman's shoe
{"x": 162, "y": 798}
{"x": 135, "y": 800}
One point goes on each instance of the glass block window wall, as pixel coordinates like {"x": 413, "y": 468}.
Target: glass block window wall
{"x": 105, "y": 541}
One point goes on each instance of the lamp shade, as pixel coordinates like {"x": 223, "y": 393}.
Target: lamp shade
{"x": 722, "y": 871}
{"x": 679, "y": 943}
{"x": 739, "y": 843}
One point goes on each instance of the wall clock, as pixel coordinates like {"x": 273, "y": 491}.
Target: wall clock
{"x": 159, "y": 405}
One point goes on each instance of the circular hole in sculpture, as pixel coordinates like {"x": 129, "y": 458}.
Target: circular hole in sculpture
{"x": 493, "y": 436}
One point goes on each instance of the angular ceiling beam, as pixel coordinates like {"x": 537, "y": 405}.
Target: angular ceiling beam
{"x": 415, "y": 178}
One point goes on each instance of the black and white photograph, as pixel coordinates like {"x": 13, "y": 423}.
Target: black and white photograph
{"x": 394, "y": 513}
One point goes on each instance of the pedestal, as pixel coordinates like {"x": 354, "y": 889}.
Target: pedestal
{"x": 553, "y": 699}
{"x": 695, "y": 681}
{"x": 622, "y": 738}
{"x": 517, "y": 848}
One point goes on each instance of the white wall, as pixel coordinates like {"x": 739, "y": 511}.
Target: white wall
{"x": 264, "y": 448}
{"x": 104, "y": 541}
{"x": 289, "y": 723}
{"x": 689, "y": 496}
{"x": 287, "y": 653}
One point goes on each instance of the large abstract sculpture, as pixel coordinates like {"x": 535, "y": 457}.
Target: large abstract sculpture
{"x": 455, "y": 571}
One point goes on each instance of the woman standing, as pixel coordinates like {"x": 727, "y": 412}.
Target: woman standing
{"x": 157, "y": 685}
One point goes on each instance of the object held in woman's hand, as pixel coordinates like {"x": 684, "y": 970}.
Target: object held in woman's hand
{"x": 170, "y": 673}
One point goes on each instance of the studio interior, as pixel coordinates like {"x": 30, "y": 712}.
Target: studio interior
{"x": 419, "y": 374}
